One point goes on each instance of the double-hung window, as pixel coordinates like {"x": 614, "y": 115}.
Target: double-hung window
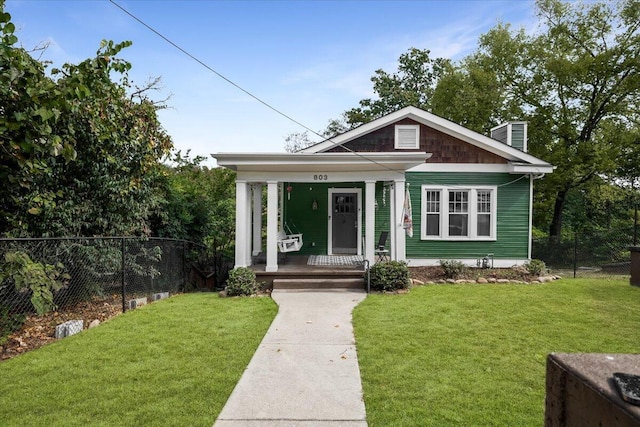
{"x": 453, "y": 213}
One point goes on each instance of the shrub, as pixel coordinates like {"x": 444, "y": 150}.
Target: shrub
{"x": 389, "y": 276}
{"x": 242, "y": 281}
{"x": 535, "y": 267}
{"x": 452, "y": 268}
{"x": 41, "y": 279}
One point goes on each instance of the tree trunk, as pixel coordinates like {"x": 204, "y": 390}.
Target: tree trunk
{"x": 556, "y": 222}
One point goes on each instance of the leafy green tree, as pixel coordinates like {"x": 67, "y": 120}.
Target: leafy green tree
{"x": 30, "y": 109}
{"x": 470, "y": 94}
{"x": 81, "y": 152}
{"x": 575, "y": 79}
{"x": 297, "y": 141}
{"x": 412, "y": 85}
{"x": 198, "y": 203}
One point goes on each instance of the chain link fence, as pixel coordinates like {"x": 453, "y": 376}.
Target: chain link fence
{"x": 588, "y": 254}
{"x": 39, "y": 276}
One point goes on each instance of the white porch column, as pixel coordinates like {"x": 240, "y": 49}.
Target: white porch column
{"x": 242, "y": 225}
{"x": 370, "y": 221}
{"x": 257, "y": 219}
{"x": 272, "y": 226}
{"x": 399, "y": 238}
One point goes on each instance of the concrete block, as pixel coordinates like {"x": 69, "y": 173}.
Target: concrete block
{"x": 135, "y": 303}
{"x": 68, "y": 328}
{"x": 159, "y": 296}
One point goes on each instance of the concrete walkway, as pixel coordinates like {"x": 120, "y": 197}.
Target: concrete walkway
{"x": 305, "y": 371}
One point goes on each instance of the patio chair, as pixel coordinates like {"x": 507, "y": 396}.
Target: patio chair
{"x": 381, "y": 253}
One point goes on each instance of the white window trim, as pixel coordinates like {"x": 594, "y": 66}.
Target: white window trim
{"x": 473, "y": 213}
{"x": 398, "y": 128}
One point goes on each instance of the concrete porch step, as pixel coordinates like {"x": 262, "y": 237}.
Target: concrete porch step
{"x": 323, "y": 283}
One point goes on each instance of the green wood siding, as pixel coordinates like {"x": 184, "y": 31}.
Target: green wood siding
{"x": 301, "y": 218}
{"x": 512, "y": 217}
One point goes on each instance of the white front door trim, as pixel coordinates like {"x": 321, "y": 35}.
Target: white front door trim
{"x": 331, "y": 192}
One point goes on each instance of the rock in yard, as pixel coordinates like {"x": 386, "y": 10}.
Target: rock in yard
{"x": 94, "y": 323}
{"x": 482, "y": 280}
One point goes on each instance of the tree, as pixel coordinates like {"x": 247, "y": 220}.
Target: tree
{"x": 30, "y": 108}
{"x": 470, "y": 94}
{"x": 197, "y": 203}
{"x": 297, "y": 141}
{"x": 80, "y": 152}
{"x": 574, "y": 80}
{"x": 412, "y": 85}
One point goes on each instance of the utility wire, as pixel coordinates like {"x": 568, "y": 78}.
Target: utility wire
{"x": 231, "y": 82}
{"x": 237, "y": 86}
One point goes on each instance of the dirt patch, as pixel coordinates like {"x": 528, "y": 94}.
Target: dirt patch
{"x": 40, "y": 330}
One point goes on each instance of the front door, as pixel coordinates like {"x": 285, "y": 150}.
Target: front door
{"x": 343, "y": 220}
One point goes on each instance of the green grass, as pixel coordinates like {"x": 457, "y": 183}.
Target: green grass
{"x": 475, "y": 355}
{"x": 172, "y": 363}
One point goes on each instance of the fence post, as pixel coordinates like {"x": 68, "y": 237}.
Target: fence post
{"x": 184, "y": 266}
{"x": 124, "y": 303}
{"x": 575, "y": 254}
{"x": 635, "y": 223}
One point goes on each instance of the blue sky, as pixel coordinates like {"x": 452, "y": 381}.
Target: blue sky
{"x": 309, "y": 59}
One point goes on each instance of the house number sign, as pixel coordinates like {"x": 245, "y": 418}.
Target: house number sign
{"x": 320, "y": 177}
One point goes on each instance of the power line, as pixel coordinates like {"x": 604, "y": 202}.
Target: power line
{"x": 237, "y": 86}
{"x": 231, "y": 82}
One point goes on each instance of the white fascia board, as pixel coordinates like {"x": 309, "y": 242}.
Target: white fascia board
{"x": 431, "y": 120}
{"x": 307, "y": 162}
{"x": 320, "y": 176}
{"x": 462, "y": 167}
{"x": 483, "y": 168}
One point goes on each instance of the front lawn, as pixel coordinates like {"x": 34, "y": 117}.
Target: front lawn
{"x": 474, "y": 355}
{"x": 172, "y": 363}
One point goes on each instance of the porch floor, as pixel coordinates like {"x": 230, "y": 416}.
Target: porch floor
{"x": 294, "y": 273}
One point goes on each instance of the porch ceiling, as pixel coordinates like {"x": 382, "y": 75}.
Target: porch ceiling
{"x": 329, "y": 162}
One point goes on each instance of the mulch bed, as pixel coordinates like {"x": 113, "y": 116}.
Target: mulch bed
{"x": 40, "y": 330}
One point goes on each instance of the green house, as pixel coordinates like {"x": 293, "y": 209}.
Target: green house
{"x": 436, "y": 189}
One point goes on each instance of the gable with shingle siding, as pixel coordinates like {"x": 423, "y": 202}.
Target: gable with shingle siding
{"x": 444, "y": 148}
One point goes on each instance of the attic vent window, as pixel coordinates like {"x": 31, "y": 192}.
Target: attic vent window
{"x": 407, "y": 137}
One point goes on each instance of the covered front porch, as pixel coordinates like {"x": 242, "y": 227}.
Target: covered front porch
{"x": 333, "y": 199}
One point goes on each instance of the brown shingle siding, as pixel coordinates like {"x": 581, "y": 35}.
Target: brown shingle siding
{"x": 445, "y": 148}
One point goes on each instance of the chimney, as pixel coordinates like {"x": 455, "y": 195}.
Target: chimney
{"x": 511, "y": 133}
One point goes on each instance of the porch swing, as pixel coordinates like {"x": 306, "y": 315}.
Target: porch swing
{"x": 289, "y": 241}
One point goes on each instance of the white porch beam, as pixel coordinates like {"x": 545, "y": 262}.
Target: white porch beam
{"x": 257, "y": 219}
{"x": 242, "y": 230}
{"x": 400, "y": 240}
{"x": 272, "y": 226}
{"x": 370, "y": 221}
